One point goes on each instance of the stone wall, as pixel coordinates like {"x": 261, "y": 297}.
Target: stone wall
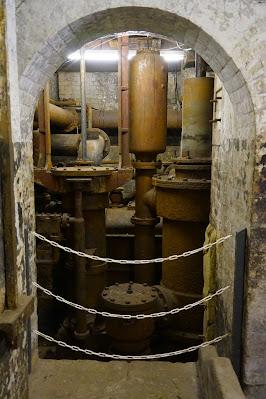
{"x": 14, "y": 363}
{"x": 101, "y": 88}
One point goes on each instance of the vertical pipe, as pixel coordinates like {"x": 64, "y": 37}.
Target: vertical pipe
{"x": 83, "y": 103}
{"x": 123, "y": 131}
{"x": 145, "y": 221}
{"x": 81, "y": 277}
{"x": 47, "y": 127}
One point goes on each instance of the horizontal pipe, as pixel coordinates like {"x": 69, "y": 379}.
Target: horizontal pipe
{"x": 108, "y": 119}
{"x": 61, "y": 119}
{"x": 67, "y": 120}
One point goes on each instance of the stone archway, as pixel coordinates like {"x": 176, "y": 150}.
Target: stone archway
{"x": 65, "y": 28}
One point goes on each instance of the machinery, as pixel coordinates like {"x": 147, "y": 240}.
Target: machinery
{"x": 143, "y": 211}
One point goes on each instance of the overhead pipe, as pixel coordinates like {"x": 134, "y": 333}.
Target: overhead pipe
{"x": 108, "y": 119}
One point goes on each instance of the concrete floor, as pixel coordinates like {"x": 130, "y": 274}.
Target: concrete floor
{"x": 90, "y": 379}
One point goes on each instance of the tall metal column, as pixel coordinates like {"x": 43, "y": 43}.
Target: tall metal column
{"x": 83, "y": 102}
{"x": 123, "y": 131}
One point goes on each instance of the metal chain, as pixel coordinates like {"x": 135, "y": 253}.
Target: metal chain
{"x": 131, "y": 357}
{"x": 129, "y": 316}
{"x": 132, "y": 262}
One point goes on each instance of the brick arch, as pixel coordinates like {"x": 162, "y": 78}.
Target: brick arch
{"x": 53, "y": 53}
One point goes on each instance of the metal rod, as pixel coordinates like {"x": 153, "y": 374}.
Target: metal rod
{"x": 123, "y": 131}
{"x": 83, "y": 103}
{"x": 47, "y": 127}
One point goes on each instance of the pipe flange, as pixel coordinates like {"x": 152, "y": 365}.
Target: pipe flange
{"x": 147, "y": 165}
{"x": 145, "y": 221}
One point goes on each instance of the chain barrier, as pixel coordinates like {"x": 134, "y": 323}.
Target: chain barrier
{"x": 129, "y": 316}
{"x": 131, "y": 262}
{"x": 130, "y": 357}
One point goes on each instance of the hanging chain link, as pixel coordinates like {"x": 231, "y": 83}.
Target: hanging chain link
{"x": 130, "y": 357}
{"x": 129, "y": 316}
{"x": 131, "y": 262}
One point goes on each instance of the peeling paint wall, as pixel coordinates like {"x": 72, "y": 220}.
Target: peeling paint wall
{"x": 14, "y": 362}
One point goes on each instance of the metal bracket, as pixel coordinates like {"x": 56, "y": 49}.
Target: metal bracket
{"x": 11, "y": 320}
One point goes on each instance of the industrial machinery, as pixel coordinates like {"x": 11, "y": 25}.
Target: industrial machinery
{"x": 145, "y": 210}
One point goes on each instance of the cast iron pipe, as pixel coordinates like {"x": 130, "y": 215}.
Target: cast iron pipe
{"x": 61, "y": 119}
{"x": 108, "y": 119}
{"x": 80, "y": 272}
{"x": 83, "y": 115}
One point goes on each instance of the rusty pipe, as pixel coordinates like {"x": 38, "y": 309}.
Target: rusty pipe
{"x": 81, "y": 275}
{"x": 145, "y": 221}
{"x": 66, "y": 120}
{"x": 94, "y": 215}
{"x": 148, "y": 125}
{"x": 47, "y": 119}
{"x": 83, "y": 110}
{"x": 108, "y": 119}
{"x": 61, "y": 119}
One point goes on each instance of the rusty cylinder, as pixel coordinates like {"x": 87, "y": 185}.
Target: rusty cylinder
{"x": 148, "y": 127}
{"x": 148, "y": 105}
{"x": 61, "y": 119}
{"x": 108, "y": 119}
{"x": 197, "y": 114}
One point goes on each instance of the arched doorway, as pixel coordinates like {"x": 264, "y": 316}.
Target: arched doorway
{"x": 47, "y": 56}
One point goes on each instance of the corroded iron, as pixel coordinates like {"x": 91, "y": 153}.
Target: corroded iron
{"x": 148, "y": 127}
{"x": 148, "y": 104}
{"x": 196, "y": 114}
{"x": 133, "y": 336}
{"x": 182, "y": 198}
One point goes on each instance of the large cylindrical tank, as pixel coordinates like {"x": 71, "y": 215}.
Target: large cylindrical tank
{"x": 197, "y": 113}
{"x": 148, "y": 104}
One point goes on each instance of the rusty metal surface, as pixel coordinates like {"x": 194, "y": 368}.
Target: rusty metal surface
{"x": 123, "y": 124}
{"x": 46, "y": 179}
{"x": 108, "y": 119}
{"x": 65, "y": 144}
{"x": 82, "y": 171}
{"x": 183, "y": 200}
{"x": 38, "y": 149}
{"x": 186, "y": 274}
{"x": 80, "y": 263}
{"x": 184, "y": 170}
{"x": 93, "y": 211}
{"x": 145, "y": 221}
{"x": 100, "y": 182}
{"x": 61, "y": 119}
{"x": 148, "y": 104}
{"x": 197, "y": 111}
{"x": 130, "y": 336}
{"x": 47, "y": 126}
{"x": 187, "y": 200}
